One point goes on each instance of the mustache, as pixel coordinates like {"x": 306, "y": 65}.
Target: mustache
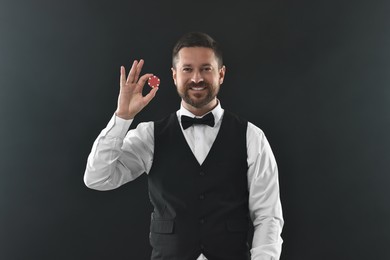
{"x": 199, "y": 84}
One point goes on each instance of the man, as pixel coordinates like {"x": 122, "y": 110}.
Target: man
{"x": 208, "y": 176}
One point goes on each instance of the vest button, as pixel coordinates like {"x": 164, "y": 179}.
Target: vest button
{"x": 202, "y": 221}
{"x": 201, "y": 173}
{"x": 201, "y": 196}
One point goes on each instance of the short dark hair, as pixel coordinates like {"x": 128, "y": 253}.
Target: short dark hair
{"x": 197, "y": 39}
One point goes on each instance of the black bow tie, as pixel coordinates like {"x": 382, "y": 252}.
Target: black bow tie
{"x": 187, "y": 121}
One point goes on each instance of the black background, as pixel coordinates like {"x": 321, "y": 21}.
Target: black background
{"x": 313, "y": 75}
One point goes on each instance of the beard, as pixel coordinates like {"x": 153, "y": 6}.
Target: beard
{"x": 199, "y": 100}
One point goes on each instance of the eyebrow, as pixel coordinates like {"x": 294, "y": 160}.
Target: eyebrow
{"x": 203, "y": 65}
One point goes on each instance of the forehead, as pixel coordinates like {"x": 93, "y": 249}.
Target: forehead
{"x": 196, "y": 56}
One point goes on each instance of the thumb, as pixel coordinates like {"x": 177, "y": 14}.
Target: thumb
{"x": 150, "y": 95}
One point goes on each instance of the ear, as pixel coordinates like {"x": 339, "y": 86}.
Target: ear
{"x": 222, "y": 72}
{"x": 174, "y": 75}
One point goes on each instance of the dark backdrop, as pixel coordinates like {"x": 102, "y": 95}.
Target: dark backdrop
{"x": 314, "y": 75}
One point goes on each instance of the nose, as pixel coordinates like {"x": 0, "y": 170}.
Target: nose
{"x": 196, "y": 77}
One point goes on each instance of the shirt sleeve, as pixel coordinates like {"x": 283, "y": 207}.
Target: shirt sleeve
{"x": 264, "y": 200}
{"x": 118, "y": 155}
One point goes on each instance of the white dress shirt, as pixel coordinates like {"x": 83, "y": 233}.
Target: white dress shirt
{"x": 119, "y": 156}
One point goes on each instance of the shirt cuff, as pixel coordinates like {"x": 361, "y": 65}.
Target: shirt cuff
{"x": 117, "y": 127}
{"x": 267, "y": 252}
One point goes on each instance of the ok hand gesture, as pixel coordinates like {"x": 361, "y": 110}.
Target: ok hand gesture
{"x": 130, "y": 100}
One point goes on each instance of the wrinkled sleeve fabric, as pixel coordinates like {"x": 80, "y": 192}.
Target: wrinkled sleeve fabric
{"x": 118, "y": 155}
{"x": 264, "y": 200}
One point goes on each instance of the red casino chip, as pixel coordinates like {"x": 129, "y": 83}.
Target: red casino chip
{"x": 154, "y": 82}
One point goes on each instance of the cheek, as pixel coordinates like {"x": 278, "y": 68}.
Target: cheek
{"x": 180, "y": 80}
{"x": 180, "y": 83}
{"x": 213, "y": 80}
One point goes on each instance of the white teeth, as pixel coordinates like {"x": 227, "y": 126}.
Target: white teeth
{"x": 198, "y": 88}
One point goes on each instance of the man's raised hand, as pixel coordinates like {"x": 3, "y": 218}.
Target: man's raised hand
{"x": 130, "y": 99}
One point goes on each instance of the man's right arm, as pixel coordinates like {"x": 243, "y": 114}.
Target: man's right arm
{"x": 116, "y": 157}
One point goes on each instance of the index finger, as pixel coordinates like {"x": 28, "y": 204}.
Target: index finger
{"x": 142, "y": 80}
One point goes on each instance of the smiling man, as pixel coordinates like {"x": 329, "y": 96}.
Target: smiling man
{"x": 211, "y": 174}
{"x": 197, "y": 74}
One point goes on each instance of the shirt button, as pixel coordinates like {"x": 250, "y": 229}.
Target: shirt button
{"x": 201, "y": 173}
{"x": 201, "y": 196}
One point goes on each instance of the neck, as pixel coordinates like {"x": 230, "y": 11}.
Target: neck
{"x": 200, "y": 111}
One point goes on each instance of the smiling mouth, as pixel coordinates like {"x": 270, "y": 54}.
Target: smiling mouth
{"x": 196, "y": 88}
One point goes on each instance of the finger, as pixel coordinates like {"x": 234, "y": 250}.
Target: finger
{"x": 138, "y": 69}
{"x": 141, "y": 82}
{"x": 130, "y": 78}
{"x": 150, "y": 95}
{"x": 122, "y": 79}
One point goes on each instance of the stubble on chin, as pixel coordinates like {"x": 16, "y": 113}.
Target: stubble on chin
{"x": 198, "y": 102}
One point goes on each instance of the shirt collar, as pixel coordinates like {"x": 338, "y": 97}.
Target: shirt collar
{"x": 217, "y": 112}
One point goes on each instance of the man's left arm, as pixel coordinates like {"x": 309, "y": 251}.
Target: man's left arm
{"x": 264, "y": 200}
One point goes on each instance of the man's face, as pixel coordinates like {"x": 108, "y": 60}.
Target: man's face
{"x": 197, "y": 76}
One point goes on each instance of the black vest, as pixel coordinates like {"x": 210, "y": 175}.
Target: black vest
{"x": 199, "y": 208}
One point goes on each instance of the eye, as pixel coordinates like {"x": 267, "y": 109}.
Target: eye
{"x": 187, "y": 69}
{"x": 207, "y": 68}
